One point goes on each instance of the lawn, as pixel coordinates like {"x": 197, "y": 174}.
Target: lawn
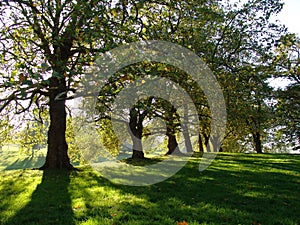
{"x": 235, "y": 189}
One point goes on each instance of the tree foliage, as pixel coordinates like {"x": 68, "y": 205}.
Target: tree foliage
{"x": 46, "y": 46}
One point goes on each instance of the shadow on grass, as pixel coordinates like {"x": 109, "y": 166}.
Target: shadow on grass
{"x": 50, "y": 202}
{"x": 142, "y": 162}
{"x": 249, "y": 193}
{"x": 235, "y": 189}
{"x": 26, "y": 163}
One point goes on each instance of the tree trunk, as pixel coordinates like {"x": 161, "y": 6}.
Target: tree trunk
{"x": 136, "y": 154}
{"x": 137, "y": 148}
{"x": 257, "y": 142}
{"x": 136, "y": 132}
{"x": 214, "y": 144}
{"x": 185, "y": 131}
{"x": 172, "y": 142}
{"x": 171, "y": 118}
{"x": 200, "y": 143}
{"x": 187, "y": 140}
{"x": 57, "y": 154}
{"x": 206, "y": 142}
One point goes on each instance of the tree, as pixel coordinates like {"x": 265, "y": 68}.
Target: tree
{"x": 32, "y": 136}
{"x": 148, "y": 108}
{"x": 170, "y": 116}
{"x": 288, "y": 105}
{"x": 73, "y": 149}
{"x": 237, "y": 41}
{"x": 5, "y": 131}
{"x": 243, "y": 59}
{"x": 163, "y": 109}
{"x": 45, "y": 46}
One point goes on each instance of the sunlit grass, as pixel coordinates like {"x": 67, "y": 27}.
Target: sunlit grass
{"x": 16, "y": 190}
{"x": 12, "y": 157}
{"x": 235, "y": 189}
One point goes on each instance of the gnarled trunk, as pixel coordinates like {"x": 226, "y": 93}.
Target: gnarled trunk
{"x": 57, "y": 154}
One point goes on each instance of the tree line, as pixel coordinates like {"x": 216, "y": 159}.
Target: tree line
{"x": 46, "y": 47}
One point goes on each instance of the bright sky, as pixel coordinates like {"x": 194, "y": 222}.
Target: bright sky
{"x": 290, "y": 15}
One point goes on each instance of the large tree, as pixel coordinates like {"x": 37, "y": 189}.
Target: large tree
{"x": 45, "y": 46}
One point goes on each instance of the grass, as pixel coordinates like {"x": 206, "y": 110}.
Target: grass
{"x": 235, "y": 189}
{"x": 12, "y": 158}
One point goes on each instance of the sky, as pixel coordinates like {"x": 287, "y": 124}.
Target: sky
{"x": 290, "y": 15}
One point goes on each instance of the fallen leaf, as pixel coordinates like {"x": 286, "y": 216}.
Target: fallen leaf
{"x": 182, "y": 223}
{"x": 255, "y": 223}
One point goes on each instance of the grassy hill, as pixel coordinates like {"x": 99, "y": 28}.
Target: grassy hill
{"x": 235, "y": 189}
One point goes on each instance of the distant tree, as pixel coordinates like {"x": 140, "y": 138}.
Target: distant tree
{"x": 288, "y": 108}
{"x": 32, "y": 136}
{"x": 243, "y": 59}
{"x": 5, "y": 131}
{"x": 288, "y": 103}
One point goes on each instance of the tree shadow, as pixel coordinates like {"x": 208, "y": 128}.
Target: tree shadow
{"x": 217, "y": 195}
{"x": 26, "y": 163}
{"x": 50, "y": 202}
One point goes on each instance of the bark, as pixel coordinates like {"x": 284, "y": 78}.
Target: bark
{"x": 136, "y": 132}
{"x": 137, "y": 149}
{"x": 187, "y": 140}
{"x": 185, "y": 131}
{"x": 215, "y": 144}
{"x": 172, "y": 142}
{"x": 136, "y": 154}
{"x": 211, "y": 143}
{"x": 171, "y": 117}
{"x": 206, "y": 142}
{"x": 57, "y": 154}
{"x": 257, "y": 141}
{"x": 200, "y": 143}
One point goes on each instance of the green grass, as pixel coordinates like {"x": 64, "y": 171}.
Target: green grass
{"x": 235, "y": 189}
{"x": 12, "y": 158}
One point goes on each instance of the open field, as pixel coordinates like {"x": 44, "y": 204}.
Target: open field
{"x": 235, "y": 189}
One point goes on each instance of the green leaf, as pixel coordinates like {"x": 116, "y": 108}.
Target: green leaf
{"x": 56, "y": 74}
{"x": 28, "y": 82}
{"x": 23, "y": 93}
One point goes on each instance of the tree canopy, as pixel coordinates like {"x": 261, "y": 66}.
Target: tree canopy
{"x": 46, "y": 46}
